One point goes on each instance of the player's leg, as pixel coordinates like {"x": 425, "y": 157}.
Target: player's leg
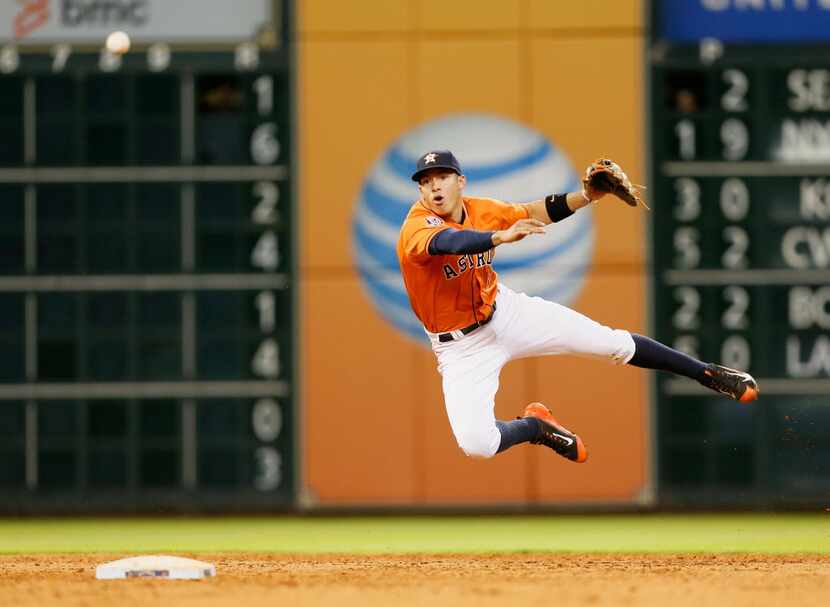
{"x": 540, "y": 327}
{"x": 470, "y": 370}
{"x": 532, "y": 326}
{"x": 651, "y": 354}
{"x": 470, "y": 373}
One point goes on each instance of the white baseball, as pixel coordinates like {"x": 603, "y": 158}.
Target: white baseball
{"x": 118, "y": 43}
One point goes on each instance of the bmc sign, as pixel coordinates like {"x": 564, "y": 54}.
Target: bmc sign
{"x": 145, "y": 20}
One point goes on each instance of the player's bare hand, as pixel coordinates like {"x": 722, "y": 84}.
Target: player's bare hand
{"x": 520, "y": 229}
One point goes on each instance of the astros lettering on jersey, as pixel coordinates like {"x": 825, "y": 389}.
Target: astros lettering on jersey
{"x": 464, "y": 289}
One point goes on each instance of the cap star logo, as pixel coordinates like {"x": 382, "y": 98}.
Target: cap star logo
{"x": 430, "y": 158}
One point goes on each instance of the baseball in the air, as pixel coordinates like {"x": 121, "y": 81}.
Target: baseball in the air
{"x": 118, "y": 43}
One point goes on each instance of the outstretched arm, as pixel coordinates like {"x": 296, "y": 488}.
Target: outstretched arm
{"x": 602, "y": 177}
{"x": 458, "y": 242}
{"x": 559, "y": 207}
{"x": 541, "y": 213}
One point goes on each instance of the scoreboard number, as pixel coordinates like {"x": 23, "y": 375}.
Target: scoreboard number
{"x": 266, "y": 419}
{"x": 268, "y": 195}
{"x": 737, "y": 240}
{"x": 687, "y": 248}
{"x": 108, "y": 61}
{"x": 266, "y": 307}
{"x": 266, "y": 254}
{"x": 734, "y": 199}
{"x": 266, "y": 361}
{"x": 246, "y": 57}
{"x": 9, "y": 59}
{"x": 735, "y": 317}
{"x": 686, "y": 317}
{"x": 265, "y": 147}
{"x": 735, "y": 352}
{"x": 264, "y": 89}
{"x": 688, "y": 198}
{"x": 735, "y": 139}
{"x": 60, "y": 55}
{"x": 158, "y": 57}
{"x": 685, "y": 131}
{"x": 734, "y": 99}
{"x": 269, "y": 468}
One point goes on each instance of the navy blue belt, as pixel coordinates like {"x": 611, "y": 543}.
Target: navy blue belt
{"x": 445, "y": 337}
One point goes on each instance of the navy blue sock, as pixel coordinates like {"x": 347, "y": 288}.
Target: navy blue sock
{"x": 651, "y": 354}
{"x": 517, "y": 431}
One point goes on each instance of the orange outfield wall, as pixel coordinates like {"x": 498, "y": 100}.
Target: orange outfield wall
{"x": 374, "y": 427}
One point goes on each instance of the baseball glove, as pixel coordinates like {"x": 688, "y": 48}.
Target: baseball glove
{"x": 606, "y": 177}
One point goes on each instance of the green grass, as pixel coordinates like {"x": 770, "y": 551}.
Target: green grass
{"x": 753, "y": 533}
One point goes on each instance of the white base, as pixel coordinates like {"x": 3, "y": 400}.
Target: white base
{"x": 156, "y": 567}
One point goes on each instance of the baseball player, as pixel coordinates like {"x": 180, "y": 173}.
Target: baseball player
{"x": 476, "y": 325}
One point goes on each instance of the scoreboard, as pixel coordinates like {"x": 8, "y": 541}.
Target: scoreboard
{"x": 147, "y": 276}
{"x": 740, "y": 247}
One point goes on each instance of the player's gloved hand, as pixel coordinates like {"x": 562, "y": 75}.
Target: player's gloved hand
{"x": 604, "y": 176}
{"x": 520, "y": 229}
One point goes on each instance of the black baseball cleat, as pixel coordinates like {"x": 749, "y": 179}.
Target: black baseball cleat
{"x": 735, "y": 384}
{"x": 551, "y": 434}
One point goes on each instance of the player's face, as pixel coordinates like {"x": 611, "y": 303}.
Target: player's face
{"x": 441, "y": 191}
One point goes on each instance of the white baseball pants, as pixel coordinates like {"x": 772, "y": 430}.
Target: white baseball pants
{"x": 522, "y": 326}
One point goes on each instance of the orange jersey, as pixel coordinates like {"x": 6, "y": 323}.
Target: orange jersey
{"x": 449, "y": 292}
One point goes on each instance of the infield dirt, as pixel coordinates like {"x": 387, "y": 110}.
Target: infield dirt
{"x": 458, "y": 580}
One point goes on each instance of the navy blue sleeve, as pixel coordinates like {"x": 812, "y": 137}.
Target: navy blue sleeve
{"x": 456, "y": 242}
